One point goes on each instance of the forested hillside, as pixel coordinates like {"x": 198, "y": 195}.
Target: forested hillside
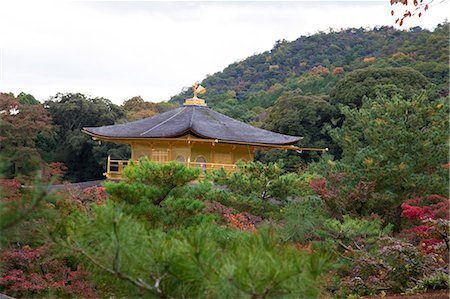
{"x": 296, "y": 87}
{"x": 312, "y": 63}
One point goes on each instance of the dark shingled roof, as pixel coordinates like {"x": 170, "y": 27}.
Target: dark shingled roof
{"x": 197, "y": 120}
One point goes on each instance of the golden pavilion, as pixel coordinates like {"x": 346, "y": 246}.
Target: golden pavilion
{"x": 192, "y": 134}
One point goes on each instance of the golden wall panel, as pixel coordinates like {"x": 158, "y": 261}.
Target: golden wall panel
{"x": 163, "y": 151}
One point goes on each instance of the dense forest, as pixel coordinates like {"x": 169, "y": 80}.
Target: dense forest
{"x": 370, "y": 217}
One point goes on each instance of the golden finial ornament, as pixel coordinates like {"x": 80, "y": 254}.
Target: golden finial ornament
{"x": 197, "y": 89}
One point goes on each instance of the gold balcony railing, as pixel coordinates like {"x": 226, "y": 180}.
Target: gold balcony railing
{"x": 114, "y": 168}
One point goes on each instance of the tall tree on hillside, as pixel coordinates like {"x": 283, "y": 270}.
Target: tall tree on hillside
{"x": 84, "y": 157}
{"x": 136, "y": 108}
{"x": 27, "y": 99}
{"x": 20, "y": 126}
{"x": 307, "y": 116}
{"x": 367, "y": 83}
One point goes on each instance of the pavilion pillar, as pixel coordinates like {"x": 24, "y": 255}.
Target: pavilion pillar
{"x": 189, "y": 154}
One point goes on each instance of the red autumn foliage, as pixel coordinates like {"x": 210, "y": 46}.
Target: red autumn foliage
{"x": 447, "y": 165}
{"x": 340, "y": 197}
{"x": 361, "y": 191}
{"x": 252, "y": 218}
{"x": 7, "y": 184}
{"x": 320, "y": 186}
{"x": 414, "y": 213}
{"x": 21, "y": 126}
{"x": 433, "y": 213}
{"x": 96, "y": 193}
{"x": 243, "y": 221}
{"x": 55, "y": 170}
{"x": 79, "y": 199}
{"x": 374, "y": 216}
{"x": 10, "y": 190}
{"x": 91, "y": 194}
{"x": 428, "y": 207}
{"x": 28, "y": 272}
{"x": 240, "y": 221}
{"x": 420, "y": 230}
{"x": 428, "y": 245}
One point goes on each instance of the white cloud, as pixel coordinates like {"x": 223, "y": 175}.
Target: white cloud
{"x": 121, "y": 49}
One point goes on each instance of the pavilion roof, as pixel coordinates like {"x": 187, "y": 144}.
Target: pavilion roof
{"x": 197, "y": 120}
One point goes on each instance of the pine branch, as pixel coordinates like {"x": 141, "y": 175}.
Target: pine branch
{"x": 25, "y": 213}
{"x": 115, "y": 270}
{"x": 139, "y": 282}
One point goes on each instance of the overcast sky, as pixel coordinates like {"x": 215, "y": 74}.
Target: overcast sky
{"x": 119, "y": 50}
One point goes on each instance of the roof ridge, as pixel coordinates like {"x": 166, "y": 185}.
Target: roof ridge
{"x": 192, "y": 118}
{"x": 161, "y": 123}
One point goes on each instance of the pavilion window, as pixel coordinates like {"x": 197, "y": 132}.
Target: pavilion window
{"x": 181, "y": 159}
{"x": 200, "y": 162}
{"x": 160, "y": 155}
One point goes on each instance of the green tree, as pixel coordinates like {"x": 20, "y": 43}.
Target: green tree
{"x": 27, "y": 99}
{"x": 366, "y": 83}
{"x": 260, "y": 181}
{"x": 84, "y": 157}
{"x": 152, "y": 181}
{"x": 399, "y": 144}
{"x": 20, "y": 126}
{"x": 306, "y": 116}
{"x": 303, "y": 219}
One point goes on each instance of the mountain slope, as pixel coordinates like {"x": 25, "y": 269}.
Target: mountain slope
{"x": 297, "y": 87}
{"x": 253, "y": 81}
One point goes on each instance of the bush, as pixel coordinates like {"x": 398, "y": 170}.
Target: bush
{"x": 159, "y": 194}
{"x": 28, "y": 272}
{"x": 440, "y": 281}
{"x": 24, "y": 211}
{"x": 151, "y": 181}
{"x": 303, "y": 220}
{"x": 354, "y": 232}
{"x": 263, "y": 182}
{"x": 341, "y": 196}
{"x": 394, "y": 265}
